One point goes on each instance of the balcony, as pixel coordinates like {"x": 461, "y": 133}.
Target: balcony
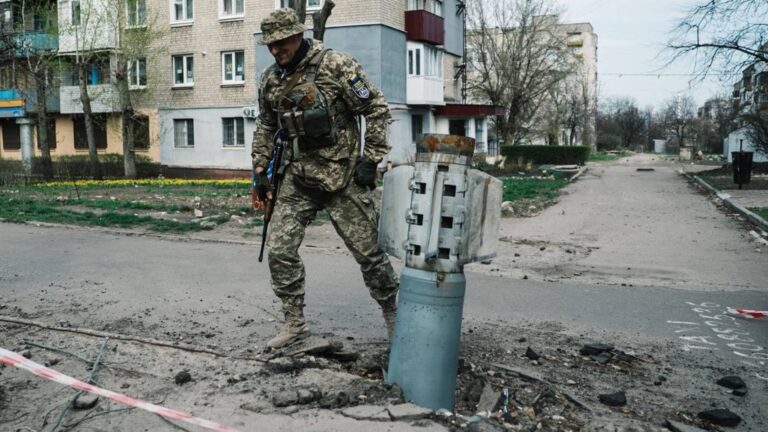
{"x": 30, "y": 43}
{"x": 423, "y": 26}
{"x": 104, "y": 99}
{"x": 424, "y": 90}
{"x": 12, "y": 104}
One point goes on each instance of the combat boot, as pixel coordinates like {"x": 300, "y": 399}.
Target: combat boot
{"x": 295, "y": 327}
{"x": 389, "y": 310}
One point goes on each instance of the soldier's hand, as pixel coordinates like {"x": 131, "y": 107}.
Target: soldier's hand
{"x": 365, "y": 174}
{"x": 263, "y": 189}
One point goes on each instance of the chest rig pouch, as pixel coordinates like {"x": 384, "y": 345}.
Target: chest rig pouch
{"x": 304, "y": 112}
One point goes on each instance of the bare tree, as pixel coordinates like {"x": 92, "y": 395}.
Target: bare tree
{"x": 29, "y": 53}
{"x": 723, "y": 36}
{"x": 518, "y": 59}
{"x": 756, "y": 130}
{"x": 319, "y": 18}
{"x": 679, "y": 117}
{"x": 122, "y": 34}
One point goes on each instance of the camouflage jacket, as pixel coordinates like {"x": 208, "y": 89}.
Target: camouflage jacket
{"x": 347, "y": 92}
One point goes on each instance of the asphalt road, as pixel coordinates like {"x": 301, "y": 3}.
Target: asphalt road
{"x": 662, "y": 264}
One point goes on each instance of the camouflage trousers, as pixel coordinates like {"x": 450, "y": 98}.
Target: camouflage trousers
{"x": 355, "y": 219}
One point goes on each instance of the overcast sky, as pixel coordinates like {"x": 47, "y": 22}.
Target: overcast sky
{"x": 631, "y": 34}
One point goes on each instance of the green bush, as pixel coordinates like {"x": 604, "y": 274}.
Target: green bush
{"x": 555, "y": 155}
{"x": 607, "y": 142}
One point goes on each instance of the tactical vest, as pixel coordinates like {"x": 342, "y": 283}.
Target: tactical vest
{"x": 302, "y": 110}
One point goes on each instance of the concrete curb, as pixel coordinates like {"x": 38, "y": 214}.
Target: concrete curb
{"x": 578, "y": 174}
{"x": 726, "y": 198}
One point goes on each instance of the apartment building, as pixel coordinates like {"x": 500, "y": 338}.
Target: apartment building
{"x": 195, "y": 86}
{"x": 28, "y": 43}
{"x": 750, "y": 95}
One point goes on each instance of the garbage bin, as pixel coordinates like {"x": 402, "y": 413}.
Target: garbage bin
{"x": 742, "y": 167}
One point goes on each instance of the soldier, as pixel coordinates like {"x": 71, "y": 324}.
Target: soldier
{"x": 315, "y": 95}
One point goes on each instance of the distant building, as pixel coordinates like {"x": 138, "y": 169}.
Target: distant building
{"x": 750, "y": 95}
{"x": 195, "y": 89}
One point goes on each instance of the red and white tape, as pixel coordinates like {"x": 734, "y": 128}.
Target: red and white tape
{"x": 14, "y": 359}
{"x": 748, "y": 313}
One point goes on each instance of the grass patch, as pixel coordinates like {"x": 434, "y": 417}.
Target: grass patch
{"x": 127, "y": 205}
{"x": 23, "y": 210}
{"x": 602, "y": 157}
{"x": 518, "y": 188}
{"x": 721, "y": 182}
{"x": 760, "y": 211}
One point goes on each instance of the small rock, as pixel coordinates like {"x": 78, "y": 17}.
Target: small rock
{"x": 293, "y": 409}
{"x": 485, "y": 425}
{"x": 571, "y": 382}
{"x": 306, "y": 396}
{"x": 85, "y": 401}
{"x": 124, "y": 385}
{"x": 721, "y": 417}
{"x": 489, "y": 399}
{"x": 182, "y": 377}
{"x": 602, "y": 359}
{"x": 26, "y": 354}
{"x": 739, "y": 391}
{"x": 444, "y": 413}
{"x": 531, "y": 354}
{"x": 732, "y": 382}
{"x": 52, "y": 362}
{"x": 542, "y": 248}
{"x": 595, "y": 349}
{"x": 522, "y": 340}
{"x": 525, "y": 276}
{"x": 285, "y": 398}
{"x": 517, "y": 255}
{"x": 613, "y": 399}
{"x": 681, "y": 427}
{"x": 408, "y": 412}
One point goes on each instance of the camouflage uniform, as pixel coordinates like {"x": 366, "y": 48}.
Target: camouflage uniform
{"x": 319, "y": 176}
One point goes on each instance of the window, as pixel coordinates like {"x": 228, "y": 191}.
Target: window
{"x": 417, "y": 126}
{"x": 140, "y": 132}
{"x": 11, "y": 134}
{"x": 233, "y": 132}
{"x": 457, "y": 127}
{"x": 183, "y": 133}
{"x": 182, "y": 10}
{"x": 433, "y": 62}
{"x": 137, "y": 73}
{"x": 437, "y": 7}
{"x": 416, "y": 5}
{"x": 232, "y": 67}
{"x": 75, "y": 12}
{"x": 311, "y": 4}
{"x": 96, "y": 72}
{"x": 231, "y": 8}
{"x": 414, "y": 61}
{"x": 41, "y": 21}
{"x": 479, "y": 129}
{"x": 136, "y": 14}
{"x": 183, "y": 70}
{"x": 99, "y": 132}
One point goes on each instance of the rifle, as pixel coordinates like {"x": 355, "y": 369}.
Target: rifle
{"x": 274, "y": 175}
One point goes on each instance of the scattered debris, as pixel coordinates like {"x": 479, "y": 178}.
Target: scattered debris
{"x": 182, "y": 377}
{"x": 721, "y": 417}
{"x": 681, "y": 427}
{"x": 732, "y": 382}
{"x": 613, "y": 399}
{"x": 531, "y": 354}
{"x": 85, "y": 402}
{"x": 595, "y": 349}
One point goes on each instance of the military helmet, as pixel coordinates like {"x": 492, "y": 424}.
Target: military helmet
{"x": 280, "y": 24}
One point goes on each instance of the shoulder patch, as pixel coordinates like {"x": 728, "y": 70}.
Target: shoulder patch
{"x": 359, "y": 87}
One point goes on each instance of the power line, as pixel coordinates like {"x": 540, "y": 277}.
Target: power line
{"x": 658, "y": 75}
